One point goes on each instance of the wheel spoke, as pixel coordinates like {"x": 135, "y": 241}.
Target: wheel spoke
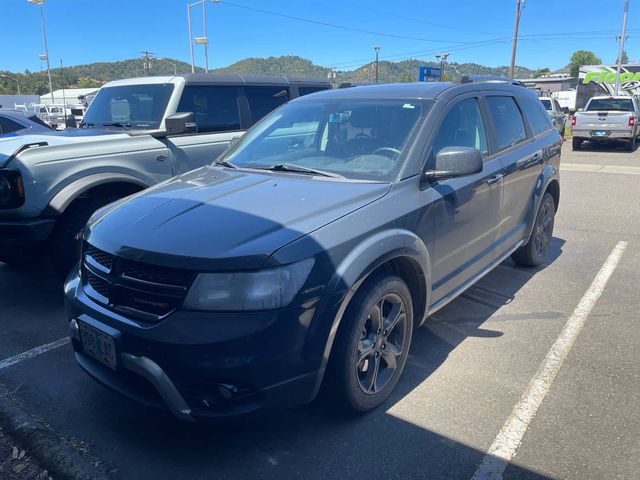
{"x": 376, "y": 317}
{"x": 393, "y": 318}
{"x": 372, "y": 375}
{"x": 364, "y": 351}
{"x": 391, "y": 354}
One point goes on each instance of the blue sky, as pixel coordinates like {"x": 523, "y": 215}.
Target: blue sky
{"x": 472, "y": 30}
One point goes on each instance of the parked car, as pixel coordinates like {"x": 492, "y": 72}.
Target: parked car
{"x": 607, "y": 119}
{"x": 136, "y": 133}
{"x": 18, "y": 122}
{"x": 555, "y": 112}
{"x": 308, "y": 252}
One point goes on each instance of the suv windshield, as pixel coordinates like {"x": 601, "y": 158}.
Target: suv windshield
{"x": 610, "y": 104}
{"x": 131, "y": 106}
{"x": 357, "y": 139}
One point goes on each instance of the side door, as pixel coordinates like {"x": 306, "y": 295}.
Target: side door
{"x": 467, "y": 212}
{"x": 522, "y": 146}
{"x": 217, "y": 110}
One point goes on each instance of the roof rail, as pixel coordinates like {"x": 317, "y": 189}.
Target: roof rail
{"x": 489, "y": 79}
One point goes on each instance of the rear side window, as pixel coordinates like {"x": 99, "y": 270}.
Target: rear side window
{"x": 537, "y": 116}
{"x": 547, "y": 104}
{"x": 9, "y": 126}
{"x": 216, "y": 108}
{"x": 307, "y": 90}
{"x": 462, "y": 127}
{"x": 507, "y": 120}
{"x": 35, "y": 119}
{"x": 263, "y": 100}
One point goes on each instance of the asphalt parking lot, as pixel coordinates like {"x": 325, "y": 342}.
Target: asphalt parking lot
{"x": 470, "y": 365}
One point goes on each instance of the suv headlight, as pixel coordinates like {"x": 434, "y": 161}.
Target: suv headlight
{"x": 241, "y": 291}
{"x": 11, "y": 189}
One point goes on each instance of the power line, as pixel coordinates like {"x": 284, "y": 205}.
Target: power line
{"x": 333, "y": 25}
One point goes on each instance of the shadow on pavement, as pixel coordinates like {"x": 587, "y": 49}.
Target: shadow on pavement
{"x": 308, "y": 442}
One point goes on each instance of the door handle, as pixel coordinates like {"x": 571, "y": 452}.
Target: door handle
{"x": 495, "y": 179}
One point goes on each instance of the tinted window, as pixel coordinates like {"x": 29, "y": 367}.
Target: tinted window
{"x": 462, "y": 127}
{"x": 547, "y": 104}
{"x": 263, "y": 100}
{"x": 537, "y": 116}
{"x": 307, "y": 90}
{"x": 558, "y": 107}
{"x": 8, "y": 126}
{"x": 128, "y": 106}
{"x": 507, "y": 120}
{"x": 611, "y": 104}
{"x": 35, "y": 119}
{"x": 216, "y": 108}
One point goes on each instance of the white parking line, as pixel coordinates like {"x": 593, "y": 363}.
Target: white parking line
{"x": 34, "y": 352}
{"x": 508, "y": 440}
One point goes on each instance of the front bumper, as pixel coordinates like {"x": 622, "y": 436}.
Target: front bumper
{"x": 208, "y": 365}
{"x": 20, "y": 234}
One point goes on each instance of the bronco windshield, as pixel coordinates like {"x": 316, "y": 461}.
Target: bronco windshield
{"x": 128, "y": 107}
{"x": 356, "y": 139}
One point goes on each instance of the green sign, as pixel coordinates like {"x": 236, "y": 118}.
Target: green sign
{"x": 610, "y": 77}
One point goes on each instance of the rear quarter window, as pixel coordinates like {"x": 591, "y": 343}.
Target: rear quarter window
{"x": 507, "y": 120}
{"x": 263, "y": 100}
{"x": 536, "y": 115}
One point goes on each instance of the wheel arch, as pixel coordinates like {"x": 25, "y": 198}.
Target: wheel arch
{"x": 397, "y": 251}
{"x": 99, "y": 183}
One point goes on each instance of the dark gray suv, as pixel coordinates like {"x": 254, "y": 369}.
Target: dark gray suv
{"x": 305, "y": 257}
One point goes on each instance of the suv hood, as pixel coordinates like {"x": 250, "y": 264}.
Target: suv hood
{"x": 216, "y": 218}
{"x": 8, "y": 146}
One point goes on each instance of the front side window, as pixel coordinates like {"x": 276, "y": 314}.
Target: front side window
{"x": 537, "y": 116}
{"x": 358, "y": 139}
{"x": 264, "y": 100}
{"x": 507, "y": 120}
{"x": 129, "y": 107}
{"x": 215, "y": 107}
{"x": 462, "y": 126}
{"x": 9, "y": 126}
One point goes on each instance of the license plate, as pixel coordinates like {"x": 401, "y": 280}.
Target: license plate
{"x": 600, "y": 133}
{"x": 98, "y": 344}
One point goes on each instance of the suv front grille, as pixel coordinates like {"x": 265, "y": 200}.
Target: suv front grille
{"x": 136, "y": 289}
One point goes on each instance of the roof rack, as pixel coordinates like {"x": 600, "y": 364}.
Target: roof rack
{"x": 489, "y": 79}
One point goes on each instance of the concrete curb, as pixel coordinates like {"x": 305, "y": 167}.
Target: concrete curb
{"x": 49, "y": 449}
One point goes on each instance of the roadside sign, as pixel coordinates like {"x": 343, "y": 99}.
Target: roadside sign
{"x": 429, "y": 74}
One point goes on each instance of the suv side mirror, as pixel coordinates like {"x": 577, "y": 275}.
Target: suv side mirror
{"x": 181, "y": 123}
{"x": 456, "y": 162}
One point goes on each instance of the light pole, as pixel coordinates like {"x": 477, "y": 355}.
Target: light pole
{"x": 377, "y": 49}
{"x": 442, "y": 59}
{"x": 622, "y": 37}
{"x": 512, "y": 66}
{"x": 14, "y": 79}
{"x": 46, "y": 49}
{"x": 200, "y": 40}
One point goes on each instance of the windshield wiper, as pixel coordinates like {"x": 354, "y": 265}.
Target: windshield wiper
{"x": 224, "y": 163}
{"x": 290, "y": 167}
{"x": 117, "y": 124}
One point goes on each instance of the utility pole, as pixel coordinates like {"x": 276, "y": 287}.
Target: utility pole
{"x": 147, "y": 63}
{"x": 46, "y": 48}
{"x": 377, "y": 49}
{"x": 621, "y": 50}
{"x": 64, "y": 98}
{"x": 519, "y": 5}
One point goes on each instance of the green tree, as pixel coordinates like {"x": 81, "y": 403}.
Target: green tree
{"x": 582, "y": 57}
{"x": 541, "y": 72}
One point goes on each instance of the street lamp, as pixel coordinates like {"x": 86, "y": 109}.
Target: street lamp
{"x": 46, "y": 49}
{"x": 199, "y": 40}
{"x": 14, "y": 79}
{"x": 377, "y": 49}
{"x": 442, "y": 58}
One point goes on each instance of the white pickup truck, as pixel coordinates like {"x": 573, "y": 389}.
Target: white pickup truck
{"x": 606, "y": 119}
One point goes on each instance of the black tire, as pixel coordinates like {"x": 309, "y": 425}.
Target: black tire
{"x": 631, "y": 145}
{"x": 533, "y": 252}
{"x": 576, "y": 143}
{"x": 66, "y": 238}
{"x": 354, "y": 379}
